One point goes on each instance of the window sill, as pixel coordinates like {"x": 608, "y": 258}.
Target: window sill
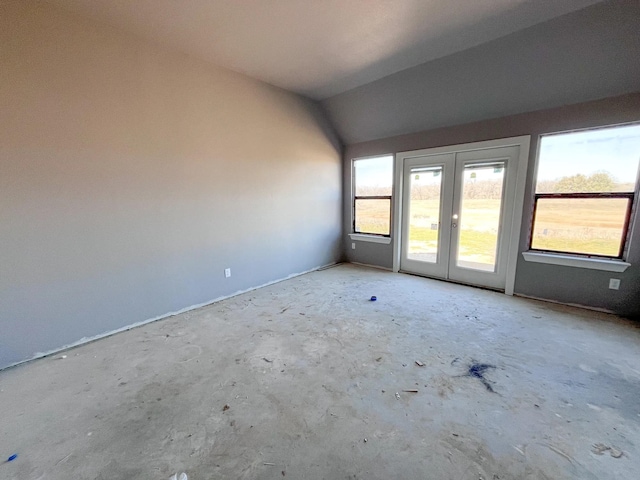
{"x": 578, "y": 262}
{"x": 362, "y": 237}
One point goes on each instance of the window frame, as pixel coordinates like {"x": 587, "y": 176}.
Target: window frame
{"x": 628, "y": 222}
{"x": 630, "y": 196}
{"x": 355, "y": 198}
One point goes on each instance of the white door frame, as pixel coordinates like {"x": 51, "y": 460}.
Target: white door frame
{"x": 521, "y": 180}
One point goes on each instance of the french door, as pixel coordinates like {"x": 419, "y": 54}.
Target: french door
{"x": 457, "y": 214}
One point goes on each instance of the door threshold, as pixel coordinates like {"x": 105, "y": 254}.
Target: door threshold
{"x": 482, "y": 287}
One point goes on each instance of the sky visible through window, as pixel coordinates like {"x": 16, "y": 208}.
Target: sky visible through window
{"x": 615, "y": 150}
{"x": 374, "y": 172}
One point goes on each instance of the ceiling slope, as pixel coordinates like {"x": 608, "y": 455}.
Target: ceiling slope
{"x": 585, "y": 55}
{"x": 320, "y": 48}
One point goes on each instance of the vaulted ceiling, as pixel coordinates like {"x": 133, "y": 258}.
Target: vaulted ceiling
{"x": 388, "y": 67}
{"x": 585, "y": 55}
{"x": 320, "y": 48}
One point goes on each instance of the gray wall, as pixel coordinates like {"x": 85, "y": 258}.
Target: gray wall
{"x": 131, "y": 176}
{"x": 564, "y": 284}
{"x": 585, "y": 55}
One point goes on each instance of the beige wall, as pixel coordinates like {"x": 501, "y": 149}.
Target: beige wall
{"x": 131, "y": 176}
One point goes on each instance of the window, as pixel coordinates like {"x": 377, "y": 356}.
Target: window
{"x": 585, "y": 190}
{"x": 372, "y": 185}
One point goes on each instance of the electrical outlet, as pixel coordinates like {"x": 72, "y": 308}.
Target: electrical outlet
{"x": 227, "y": 272}
{"x": 353, "y": 246}
{"x": 614, "y": 283}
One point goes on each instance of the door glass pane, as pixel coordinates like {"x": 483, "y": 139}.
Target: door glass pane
{"x": 424, "y": 213}
{"x": 479, "y": 218}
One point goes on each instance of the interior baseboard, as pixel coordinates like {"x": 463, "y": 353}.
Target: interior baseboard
{"x": 372, "y": 266}
{"x": 577, "y": 305}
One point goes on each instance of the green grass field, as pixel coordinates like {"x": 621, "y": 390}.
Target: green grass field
{"x": 580, "y": 225}
{"x": 590, "y": 226}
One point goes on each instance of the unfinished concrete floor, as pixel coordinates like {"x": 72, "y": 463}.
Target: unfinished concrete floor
{"x": 309, "y": 368}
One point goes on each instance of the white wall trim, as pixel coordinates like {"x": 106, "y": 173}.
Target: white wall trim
{"x": 578, "y": 262}
{"x": 86, "y": 340}
{"x": 523, "y": 142}
{"x": 362, "y": 237}
{"x": 465, "y": 147}
{"x": 396, "y": 231}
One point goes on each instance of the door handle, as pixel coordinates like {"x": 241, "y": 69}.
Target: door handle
{"x": 454, "y": 225}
